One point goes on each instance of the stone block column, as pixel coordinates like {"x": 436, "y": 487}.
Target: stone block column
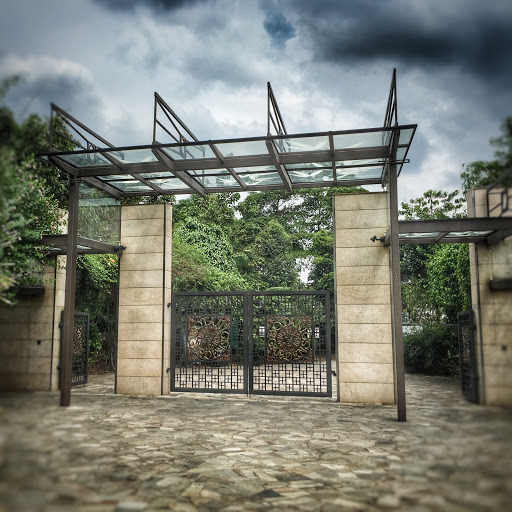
{"x": 492, "y": 309}
{"x": 143, "y": 350}
{"x": 363, "y": 305}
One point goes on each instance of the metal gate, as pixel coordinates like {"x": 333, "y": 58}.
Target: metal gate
{"x": 80, "y": 362}
{"x": 251, "y": 342}
{"x": 467, "y": 355}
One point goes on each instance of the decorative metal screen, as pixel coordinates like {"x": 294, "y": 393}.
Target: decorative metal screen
{"x": 207, "y": 352}
{"x": 80, "y": 361}
{"x": 467, "y": 355}
{"x": 251, "y": 342}
{"x": 80, "y": 366}
{"x": 291, "y": 345}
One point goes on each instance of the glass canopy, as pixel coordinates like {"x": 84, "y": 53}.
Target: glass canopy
{"x": 327, "y": 159}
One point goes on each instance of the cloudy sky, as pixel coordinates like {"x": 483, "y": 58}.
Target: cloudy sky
{"x": 329, "y": 62}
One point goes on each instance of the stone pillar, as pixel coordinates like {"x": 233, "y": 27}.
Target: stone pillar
{"x": 143, "y": 349}
{"x": 27, "y": 339}
{"x": 363, "y": 304}
{"x": 492, "y": 309}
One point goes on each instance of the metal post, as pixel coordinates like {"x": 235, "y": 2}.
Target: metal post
{"x": 396, "y": 293}
{"x": 69, "y": 302}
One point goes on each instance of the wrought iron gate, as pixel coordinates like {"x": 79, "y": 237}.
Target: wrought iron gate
{"x": 467, "y": 355}
{"x": 80, "y": 364}
{"x": 251, "y": 342}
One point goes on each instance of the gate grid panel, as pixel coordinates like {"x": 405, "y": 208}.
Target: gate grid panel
{"x": 207, "y": 342}
{"x": 80, "y": 357}
{"x": 80, "y": 365}
{"x": 467, "y": 355}
{"x": 251, "y": 342}
{"x": 291, "y": 343}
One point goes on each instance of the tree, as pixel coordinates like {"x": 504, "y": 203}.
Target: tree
{"x": 426, "y": 297}
{"x": 482, "y": 173}
{"x": 278, "y": 268}
{"x": 321, "y": 276}
{"x": 434, "y": 204}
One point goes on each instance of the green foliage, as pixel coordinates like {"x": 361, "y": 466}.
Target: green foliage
{"x": 433, "y": 204}
{"x": 203, "y": 259}
{"x": 96, "y": 294}
{"x": 217, "y": 208}
{"x": 209, "y": 239}
{"x": 448, "y": 282}
{"x": 431, "y": 349}
{"x": 322, "y": 266}
{"x": 274, "y": 247}
{"x": 27, "y": 212}
{"x": 434, "y": 279}
{"x": 483, "y": 173}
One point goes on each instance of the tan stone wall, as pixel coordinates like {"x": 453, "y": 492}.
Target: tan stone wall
{"x": 493, "y": 311}
{"x": 144, "y": 291}
{"x": 27, "y": 340}
{"x": 364, "y": 344}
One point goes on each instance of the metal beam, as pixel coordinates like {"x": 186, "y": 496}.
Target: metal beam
{"x": 168, "y": 110}
{"x": 231, "y": 171}
{"x": 278, "y": 122}
{"x": 233, "y": 162}
{"x": 280, "y": 168}
{"x": 185, "y": 178}
{"x": 498, "y": 236}
{"x": 61, "y": 241}
{"x": 421, "y": 240}
{"x": 440, "y": 236}
{"x": 333, "y": 163}
{"x": 101, "y": 185}
{"x": 69, "y": 300}
{"x": 458, "y": 224}
{"x": 65, "y": 115}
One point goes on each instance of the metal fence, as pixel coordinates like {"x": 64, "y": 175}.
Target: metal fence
{"x": 467, "y": 355}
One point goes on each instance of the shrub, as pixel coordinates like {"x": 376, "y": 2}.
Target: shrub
{"x": 431, "y": 349}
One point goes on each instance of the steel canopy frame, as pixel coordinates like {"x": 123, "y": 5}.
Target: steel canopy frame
{"x": 362, "y": 157}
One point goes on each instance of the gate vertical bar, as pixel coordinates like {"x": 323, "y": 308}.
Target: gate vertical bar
{"x": 396, "y": 291}
{"x": 69, "y": 302}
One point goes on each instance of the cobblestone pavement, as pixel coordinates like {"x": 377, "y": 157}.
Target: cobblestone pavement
{"x": 189, "y": 452}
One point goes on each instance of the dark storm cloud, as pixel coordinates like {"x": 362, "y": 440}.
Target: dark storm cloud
{"x": 157, "y": 5}
{"x": 476, "y": 36}
{"x": 35, "y": 95}
{"x": 278, "y": 28}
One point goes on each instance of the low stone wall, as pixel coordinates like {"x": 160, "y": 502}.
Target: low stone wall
{"x": 30, "y": 336}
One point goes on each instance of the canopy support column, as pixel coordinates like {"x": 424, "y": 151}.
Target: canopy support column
{"x": 69, "y": 301}
{"x": 396, "y": 293}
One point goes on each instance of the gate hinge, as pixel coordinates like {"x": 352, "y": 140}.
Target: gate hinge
{"x": 169, "y": 304}
{"x": 168, "y": 370}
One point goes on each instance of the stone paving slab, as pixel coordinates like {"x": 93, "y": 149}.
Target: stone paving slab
{"x": 198, "y": 452}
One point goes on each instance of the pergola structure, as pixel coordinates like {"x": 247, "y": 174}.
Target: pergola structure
{"x": 277, "y": 160}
